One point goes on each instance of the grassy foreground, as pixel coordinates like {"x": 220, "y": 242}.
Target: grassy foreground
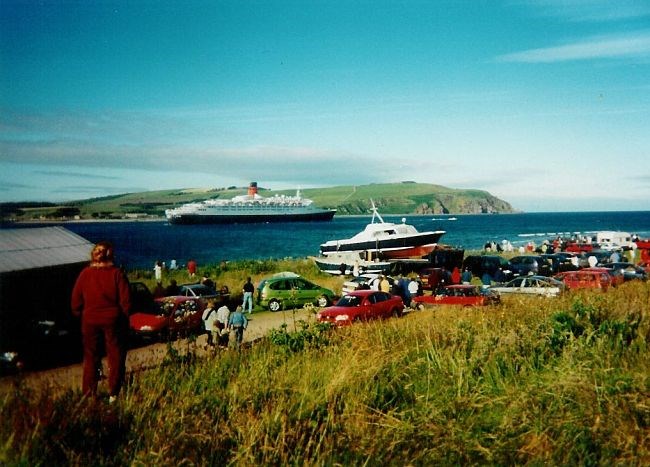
{"x": 533, "y": 381}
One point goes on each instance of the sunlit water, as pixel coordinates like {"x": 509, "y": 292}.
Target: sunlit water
{"x": 140, "y": 244}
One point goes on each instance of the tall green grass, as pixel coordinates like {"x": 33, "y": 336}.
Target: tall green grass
{"x": 532, "y": 381}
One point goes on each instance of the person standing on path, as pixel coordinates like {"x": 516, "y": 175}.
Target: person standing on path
{"x": 223, "y": 316}
{"x": 238, "y": 323}
{"x": 102, "y": 298}
{"x": 209, "y": 317}
{"x": 248, "y": 296}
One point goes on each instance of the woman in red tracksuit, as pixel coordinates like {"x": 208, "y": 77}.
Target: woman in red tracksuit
{"x": 101, "y": 297}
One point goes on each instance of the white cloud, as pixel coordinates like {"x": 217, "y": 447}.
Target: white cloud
{"x": 622, "y": 46}
{"x": 593, "y": 10}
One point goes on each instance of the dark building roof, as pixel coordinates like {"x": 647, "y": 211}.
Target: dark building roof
{"x": 33, "y": 248}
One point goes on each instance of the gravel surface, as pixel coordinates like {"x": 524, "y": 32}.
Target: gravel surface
{"x": 142, "y": 358}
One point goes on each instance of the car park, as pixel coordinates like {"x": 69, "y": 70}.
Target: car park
{"x": 531, "y": 285}
{"x": 169, "y": 317}
{"x": 530, "y": 264}
{"x": 362, "y": 305}
{"x": 285, "y": 291}
{"x": 465, "y": 295}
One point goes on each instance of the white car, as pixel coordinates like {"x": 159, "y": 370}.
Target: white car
{"x": 531, "y": 285}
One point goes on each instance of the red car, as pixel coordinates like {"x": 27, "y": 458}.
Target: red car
{"x": 615, "y": 275}
{"x": 362, "y": 305}
{"x": 465, "y": 295}
{"x": 586, "y": 279}
{"x": 170, "y": 317}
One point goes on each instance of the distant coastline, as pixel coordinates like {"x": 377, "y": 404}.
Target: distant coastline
{"x": 405, "y": 199}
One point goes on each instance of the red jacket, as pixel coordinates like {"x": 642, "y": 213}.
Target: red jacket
{"x": 101, "y": 294}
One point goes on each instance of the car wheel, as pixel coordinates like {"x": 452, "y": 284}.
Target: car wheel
{"x": 419, "y": 307}
{"x": 275, "y": 305}
{"x": 322, "y": 301}
{"x": 396, "y": 312}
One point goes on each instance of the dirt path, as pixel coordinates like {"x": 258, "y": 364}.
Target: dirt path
{"x": 139, "y": 359}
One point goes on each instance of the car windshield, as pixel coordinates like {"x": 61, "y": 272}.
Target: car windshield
{"x": 164, "y": 307}
{"x": 196, "y": 290}
{"x": 349, "y": 301}
{"x": 515, "y": 282}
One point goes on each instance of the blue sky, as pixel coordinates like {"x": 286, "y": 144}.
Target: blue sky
{"x": 543, "y": 103}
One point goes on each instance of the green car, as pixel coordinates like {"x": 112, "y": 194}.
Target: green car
{"x": 288, "y": 290}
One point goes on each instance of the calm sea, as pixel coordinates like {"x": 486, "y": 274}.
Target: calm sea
{"x": 140, "y": 244}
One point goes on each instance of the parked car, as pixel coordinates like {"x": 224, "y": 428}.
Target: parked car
{"x": 466, "y": 295}
{"x": 141, "y": 297}
{"x": 602, "y": 256}
{"x": 561, "y": 261}
{"x": 364, "y": 281}
{"x": 530, "y": 264}
{"x": 616, "y": 276}
{"x": 362, "y": 305}
{"x": 198, "y": 290}
{"x": 629, "y": 271}
{"x": 645, "y": 265}
{"x": 585, "y": 279}
{"x": 279, "y": 292}
{"x": 531, "y": 285}
{"x": 480, "y": 264}
{"x": 170, "y": 317}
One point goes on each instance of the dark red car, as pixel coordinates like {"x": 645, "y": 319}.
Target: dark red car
{"x": 362, "y": 305}
{"x": 586, "y": 279}
{"x": 615, "y": 275}
{"x": 465, "y": 295}
{"x": 170, "y": 317}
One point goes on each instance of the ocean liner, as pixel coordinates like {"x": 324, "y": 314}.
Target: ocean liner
{"x": 249, "y": 208}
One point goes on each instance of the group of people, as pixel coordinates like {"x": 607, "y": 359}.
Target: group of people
{"x": 408, "y": 287}
{"x": 160, "y": 266}
{"x": 405, "y": 287}
{"x": 220, "y": 322}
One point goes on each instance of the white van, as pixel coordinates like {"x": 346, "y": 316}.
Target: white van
{"x": 611, "y": 240}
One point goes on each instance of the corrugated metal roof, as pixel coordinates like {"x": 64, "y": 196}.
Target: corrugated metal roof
{"x": 31, "y": 248}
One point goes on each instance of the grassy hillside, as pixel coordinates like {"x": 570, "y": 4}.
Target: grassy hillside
{"x": 533, "y": 381}
{"x": 392, "y": 198}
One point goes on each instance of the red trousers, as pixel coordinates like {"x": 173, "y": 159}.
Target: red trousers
{"x": 115, "y": 336}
